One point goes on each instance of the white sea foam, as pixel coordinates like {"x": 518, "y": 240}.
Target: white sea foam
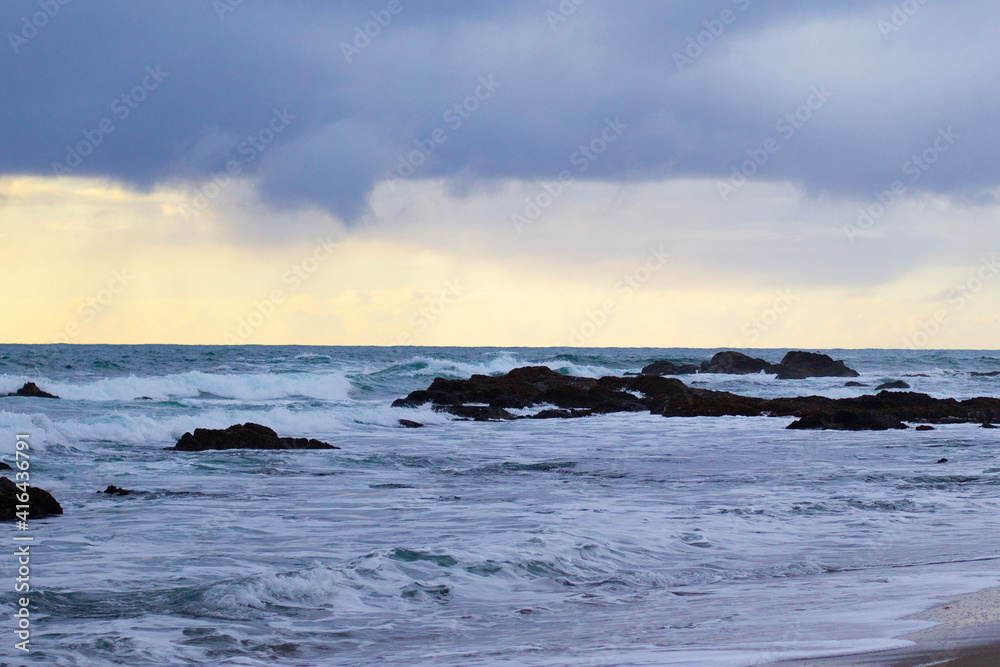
{"x": 247, "y": 387}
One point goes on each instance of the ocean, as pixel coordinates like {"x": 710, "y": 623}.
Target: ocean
{"x": 625, "y": 539}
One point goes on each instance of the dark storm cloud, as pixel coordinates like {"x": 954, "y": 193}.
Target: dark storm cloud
{"x": 360, "y": 104}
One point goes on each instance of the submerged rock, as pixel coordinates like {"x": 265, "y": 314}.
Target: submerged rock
{"x": 895, "y": 384}
{"x": 942, "y": 460}
{"x": 855, "y": 384}
{"x": 409, "y": 423}
{"x": 736, "y": 363}
{"x": 801, "y": 365}
{"x": 848, "y": 420}
{"x": 243, "y": 436}
{"x": 665, "y": 367}
{"x": 40, "y": 502}
{"x": 925, "y": 427}
{"x": 113, "y": 490}
{"x": 990, "y": 374}
{"x": 31, "y": 390}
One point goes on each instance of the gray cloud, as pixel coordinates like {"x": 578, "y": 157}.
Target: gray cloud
{"x": 891, "y": 92}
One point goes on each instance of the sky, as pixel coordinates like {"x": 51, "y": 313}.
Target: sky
{"x": 732, "y": 173}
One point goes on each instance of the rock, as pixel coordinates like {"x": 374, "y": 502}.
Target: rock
{"x": 665, "y": 367}
{"x": 40, "y": 502}
{"x": 5, "y": 466}
{"x": 736, "y": 363}
{"x": 801, "y": 365}
{"x": 916, "y": 375}
{"x": 113, "y": 490}
{"x": 925, "y": 427}
{"x": 988, "y": 425}
{"x": 942, "y": 460}
{"x": 990, "y": 374}
{"x": 31, "y": 390}
{"x": 561, "y": 414}
{"x": 895, "y": 384}
{"x": 243, "y": 436}
{"x": 407, "y": 423}
{"x": 485, "y": 398}
{"x": 855, "y": 384}
{"x": 848, "y": 420}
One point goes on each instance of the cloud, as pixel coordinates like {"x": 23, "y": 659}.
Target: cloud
{"x": 893, "y": 90}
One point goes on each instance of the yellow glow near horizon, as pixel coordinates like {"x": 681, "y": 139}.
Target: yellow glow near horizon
{"x": 93, "y": 262}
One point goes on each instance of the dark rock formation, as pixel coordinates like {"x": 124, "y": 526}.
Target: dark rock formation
{"x": 243, "y": 436}
{"x": 895, "y": 384}
{"x": 990, "y": 374}
{"x": 855, "y": 384}
{"x": 801, "y": 365}
{"x": 736, "y": 363}
{"x": 848, "y": 420}
{"x": 113, "y": 490}
{"x": 925, "y": 427}
{"x": 988, "y": 425}
{"x": 488, "y": 398}
{"x": 942, "y": 460}
{"x": 5, "y": 466}
{"x": 40, "y": 502}
{"x": 409, "y": 423}
{"x": 665, "y": 367}
{"x": 31, "y": 390}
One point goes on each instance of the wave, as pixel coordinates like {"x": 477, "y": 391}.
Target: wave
{"x": 194, "y": 384}
{"x": 159, "y": 431}
{"x": 503, "y": 363}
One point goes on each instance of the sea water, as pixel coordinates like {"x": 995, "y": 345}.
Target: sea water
{"x": 625, "y": 539}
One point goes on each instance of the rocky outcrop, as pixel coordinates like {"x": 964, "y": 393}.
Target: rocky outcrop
{"x": 40, "y": 502}
{"x": 990, "y": 374}
{"x": 895, "y": 384}
{"x": 409, "y": 423}
{"x": 855, "y": 384}
{"x": 925, "y": 427}
{"x": 848, "y": 420}
{"x": 243, "y": 436}
{"x": 31, "y": 390}
{"x": 666, "y": 367}
{"x": 736, "y": 363}
{"x": 801, "y": 365}
{"x": 485, "y": 398}
{"x": 5, "y": 466}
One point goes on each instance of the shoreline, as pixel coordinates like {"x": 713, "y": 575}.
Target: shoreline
{"x": 966, "y": 634}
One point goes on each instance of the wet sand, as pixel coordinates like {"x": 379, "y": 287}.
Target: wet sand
{"x": 967, "y": 634}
